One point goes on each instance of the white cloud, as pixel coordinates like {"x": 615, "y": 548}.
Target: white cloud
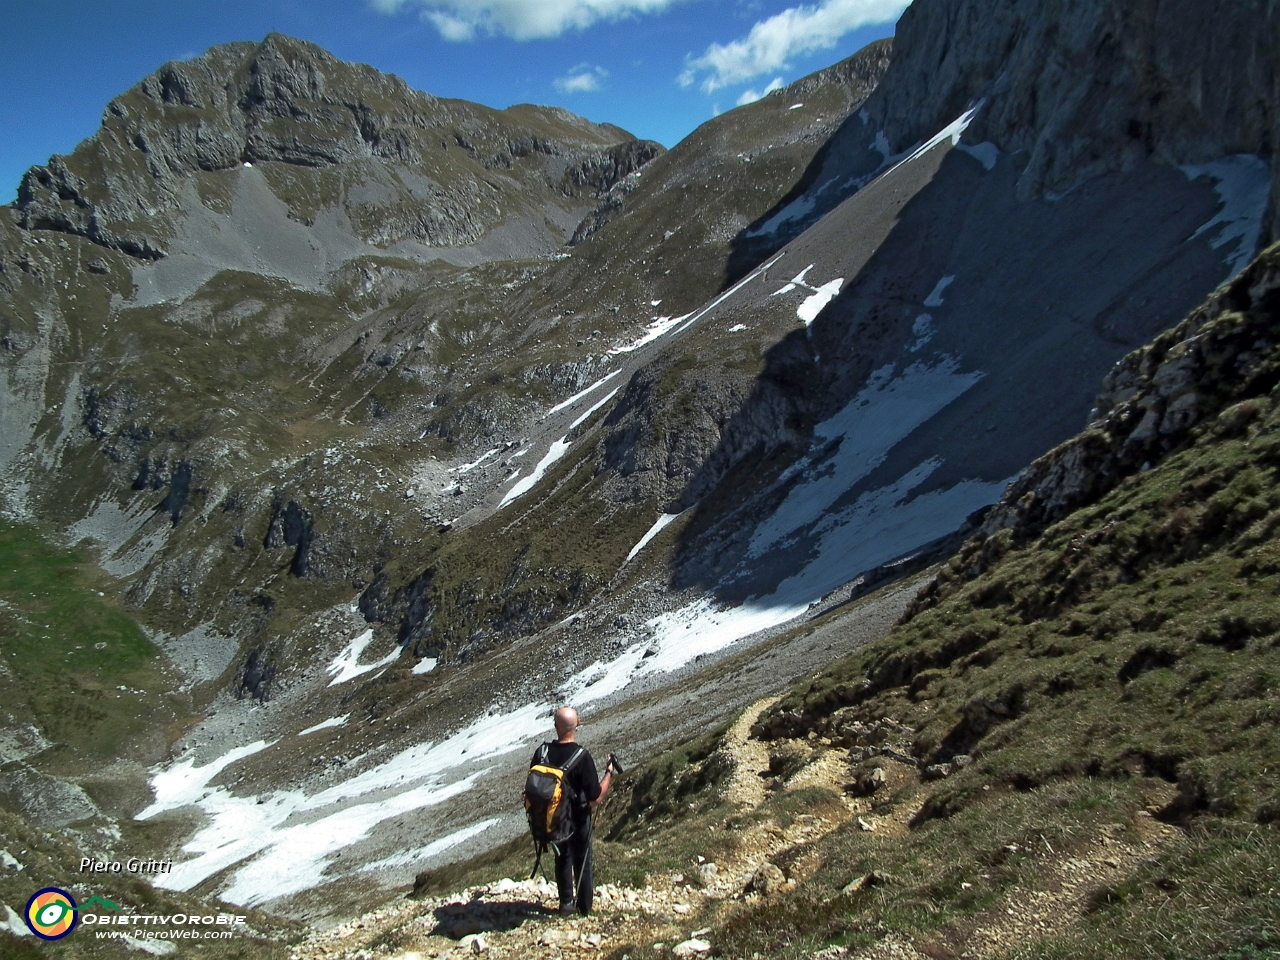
{"x": 583, "y": 78}
{"x": 519, "y": 19}
{"x": 750, "y": 96}
{"x": 794, "y": 31}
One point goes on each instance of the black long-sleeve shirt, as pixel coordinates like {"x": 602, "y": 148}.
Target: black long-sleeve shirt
{"x": 583, "y": 779}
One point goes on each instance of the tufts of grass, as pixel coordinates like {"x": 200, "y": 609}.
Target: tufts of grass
{"x": 1214, "y": 895}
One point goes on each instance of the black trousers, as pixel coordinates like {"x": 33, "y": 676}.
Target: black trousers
{"x": 573, "y": 868}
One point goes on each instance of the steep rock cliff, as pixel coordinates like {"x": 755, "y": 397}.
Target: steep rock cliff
{"x": 1085, "y": 87}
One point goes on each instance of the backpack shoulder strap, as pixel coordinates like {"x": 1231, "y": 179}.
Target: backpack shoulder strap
{"x": 542, "y": 753}
{"x": 574, "y": 759}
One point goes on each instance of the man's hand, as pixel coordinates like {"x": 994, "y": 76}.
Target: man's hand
{"x": 605, "y": 783}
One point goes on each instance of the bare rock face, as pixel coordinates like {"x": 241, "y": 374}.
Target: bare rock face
{"x": 1089, "y": 87}
{"x": 289, "y": 102}
{"x": 1215, "y": 360}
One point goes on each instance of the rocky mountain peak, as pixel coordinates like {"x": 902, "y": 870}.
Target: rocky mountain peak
{"x": 288, "y": 101}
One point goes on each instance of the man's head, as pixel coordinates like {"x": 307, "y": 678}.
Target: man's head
{"x": 566, "y": 720}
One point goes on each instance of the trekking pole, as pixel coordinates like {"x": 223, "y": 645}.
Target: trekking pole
{"x": 586, "y": 861}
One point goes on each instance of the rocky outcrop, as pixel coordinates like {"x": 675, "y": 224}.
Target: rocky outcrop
{"x": 287, "y": 101}
{"x": 598, "y": 172}
{"x": 410, "y": 604}
{"x": 1220, "y": 356}
{"x": 291, "y": 526}
{"x": 611, "y": 175}
{"x": 1090, "y": 87}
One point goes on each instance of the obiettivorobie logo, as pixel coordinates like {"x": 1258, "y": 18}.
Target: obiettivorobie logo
{"x": 52, "y": 912}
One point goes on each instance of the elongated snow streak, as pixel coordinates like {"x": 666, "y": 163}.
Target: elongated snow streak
{"x": 425, "y": 665}
{"x": 326, "y": 724}
{"x": 1243, "y": 184}
{"x": 698, "y": 315}
{"x": 593, "y": 408}
{"x": 951, "y": 131}
{"x": 558, "y": 450}
{"x": 658, "y": 526}
{"x": 468, "y": 467}
{"x": 581, "y": 393}
{"x": 433, "y": 848}
{"x": 347, "y": 665}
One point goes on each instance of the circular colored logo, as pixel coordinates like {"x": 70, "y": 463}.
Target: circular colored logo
{"x": 51, "y": 913}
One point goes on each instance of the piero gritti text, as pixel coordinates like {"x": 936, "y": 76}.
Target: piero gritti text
{"x": 132, "y": 865}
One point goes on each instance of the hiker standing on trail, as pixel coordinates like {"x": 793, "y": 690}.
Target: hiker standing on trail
{"x": 584, "y": 793}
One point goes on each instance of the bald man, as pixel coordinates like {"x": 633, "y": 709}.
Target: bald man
{"x": 573, "y": 857}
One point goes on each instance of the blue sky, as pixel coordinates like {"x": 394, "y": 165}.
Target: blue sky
{"x": 655, "y": 67}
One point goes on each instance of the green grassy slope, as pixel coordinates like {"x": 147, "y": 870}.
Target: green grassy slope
{"x": 72, "y": 663}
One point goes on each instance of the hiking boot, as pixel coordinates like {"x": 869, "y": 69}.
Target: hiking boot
{"x": 568, "y": 908}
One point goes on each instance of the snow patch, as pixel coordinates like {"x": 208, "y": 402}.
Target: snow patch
{"x": 558, "y": 450}
{"x": 795, "y": 106}
{"x": 951, "y": 131}
{"x": 184, "y": 783}
{"x": 923, "y": 330}
{"x": 818, "y": 297}
{"x": 1243, "y": 184}
{"x": 879, "y": 527}
{"x": 881, "y": 145}
{"x": 658, "y": 526}
{"x": 286, "y": 842}
{"x": 737, "y": 327}
{"x": 797, "y": 209}
{"x": 935, "y": 298}
{"x": 425, "y": 665}
{"x": 986, "y": 153}
{"x": 796, "y": 281}
{"x": 326, "y": 724}
{"x": 15, "y": 923}
{"x": 815, "y": 302}
{"x": 468, "y": 467}
{"x": 883, "y": 413}
{"x": 346, "y": 665}
{"x": 653, "y": 332}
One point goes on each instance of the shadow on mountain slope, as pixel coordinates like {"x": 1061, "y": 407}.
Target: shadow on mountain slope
{"x": 957, "y": 352}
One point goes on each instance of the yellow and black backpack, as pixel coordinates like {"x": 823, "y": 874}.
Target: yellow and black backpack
{"x": 547, "y": 800}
